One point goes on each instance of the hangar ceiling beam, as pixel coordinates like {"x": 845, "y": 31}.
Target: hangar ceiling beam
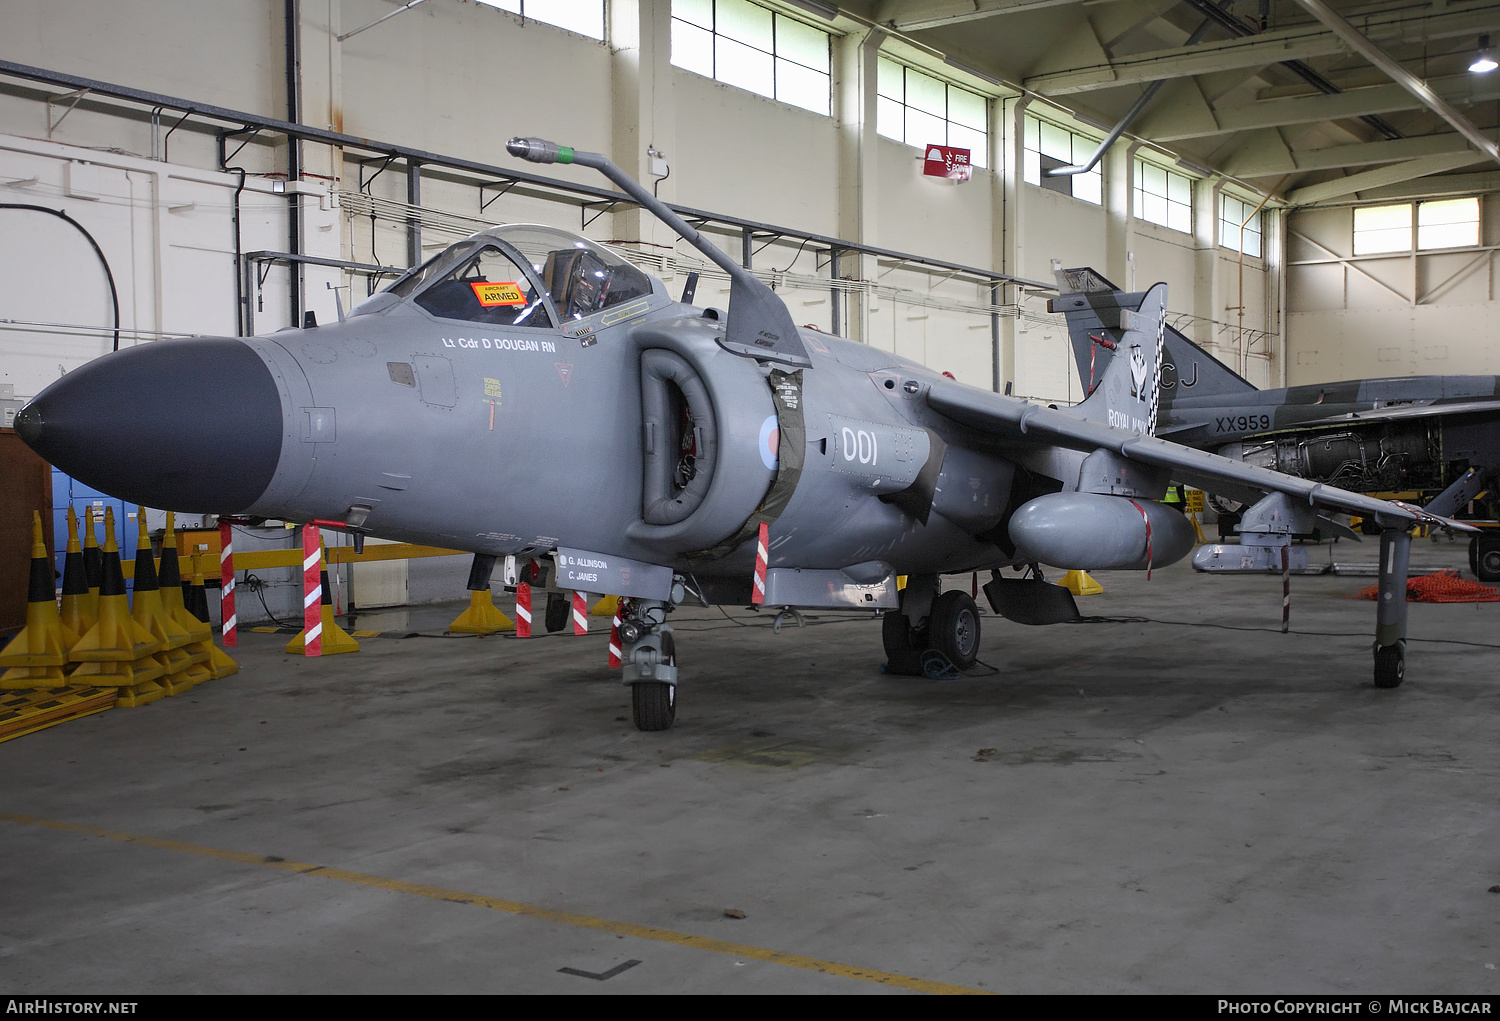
{"x": 1393, "y": 174}
{"x": 1261, "y": 161}
{"x": 1269, "y": 113}
{"x": 1367, "y": 48}
{"x": 912, "y": 16}
{"x": 1259, "y": 50}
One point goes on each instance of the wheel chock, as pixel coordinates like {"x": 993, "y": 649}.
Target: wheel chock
{"x": 335, "y": 639}
{"x": 117, "y": 652}
{"x": 605, "y": 607}
{"x": 79, "y": 611}
{"x": 38, "y": 656}
{"x": 147, "y": 610}
{"x": 482, "y": 617}
{"x": 1080, "y": 584}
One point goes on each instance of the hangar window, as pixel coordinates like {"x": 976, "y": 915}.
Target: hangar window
{"x": 1239, "y": 221}
{"x": 574, "y": 15}
{"x": 1448, "y": 223}
{"x": 1382, "y": 229}
{"x": 750, "y": 47}
{"x": 1163, "y": 196}
{"x": 918, "y": 109}
{"x": 1046, "y": 146}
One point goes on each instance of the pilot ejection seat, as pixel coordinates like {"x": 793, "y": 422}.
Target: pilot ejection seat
{"x": 578, "y": 281}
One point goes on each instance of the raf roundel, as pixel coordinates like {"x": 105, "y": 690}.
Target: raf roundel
{"x": 770, "y": 442}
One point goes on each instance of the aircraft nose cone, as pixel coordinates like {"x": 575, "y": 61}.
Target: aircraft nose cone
{"x": 188, "y": 425}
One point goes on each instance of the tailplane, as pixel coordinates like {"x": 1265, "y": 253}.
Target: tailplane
{"x": 1093, "y": 306}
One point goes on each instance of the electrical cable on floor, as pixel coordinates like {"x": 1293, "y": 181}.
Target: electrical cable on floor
{"x": 1273, "y": 630}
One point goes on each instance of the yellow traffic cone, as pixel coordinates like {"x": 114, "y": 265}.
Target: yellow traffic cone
{"x": 605, "y": 607}
{"x": 200, "y": 635}
{"x": 1080, "y": 584}
{"x": 38, "y": 656}
{"x": 92, "y": 565}
{"x": 335, "y": 639}
{"x": 147, "y": 611}
{"x": 482, "y": 617}
{"x": 117, "y": 652}
{"x": 78, "y": 611}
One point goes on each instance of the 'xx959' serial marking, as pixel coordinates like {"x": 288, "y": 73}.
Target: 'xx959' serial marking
{"x": 1242, "y": 423}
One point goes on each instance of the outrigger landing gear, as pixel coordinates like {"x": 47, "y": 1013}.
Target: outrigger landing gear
{"x": 1390, "y": 609}
{"x": 648, "y": 655}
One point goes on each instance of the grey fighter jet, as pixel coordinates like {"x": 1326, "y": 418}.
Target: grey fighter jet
{"x": 527, "y": 394}
{"x": 1439, "y": 435}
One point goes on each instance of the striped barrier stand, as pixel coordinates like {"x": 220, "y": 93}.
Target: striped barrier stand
{"x": 580, "y": 613}
{"x": 312, "y": 590}
{"x": 226, "y": 585}
{"x": 614, "y": 640}
{"x": 758, "y": 597}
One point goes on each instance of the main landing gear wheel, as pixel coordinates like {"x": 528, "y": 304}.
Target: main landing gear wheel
{"x": 954, "y": 628}
{"x": 1484, "y": 556}
{"x": 903, "y": 644}
{"x": 1390, "y": 665}
{"x": 653, "y": 704}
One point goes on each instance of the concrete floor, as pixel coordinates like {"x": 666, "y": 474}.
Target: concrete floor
{"x": 1160, "y": 808}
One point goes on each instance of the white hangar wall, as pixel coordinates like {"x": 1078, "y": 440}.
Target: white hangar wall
{"x": 1391, "y": 314}
{"x": 457, "y": 77}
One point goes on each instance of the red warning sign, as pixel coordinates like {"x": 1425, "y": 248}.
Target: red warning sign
{"x": 947, "y": 161}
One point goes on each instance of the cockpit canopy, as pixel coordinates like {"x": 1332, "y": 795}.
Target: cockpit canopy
{"x": 522, "y": 275}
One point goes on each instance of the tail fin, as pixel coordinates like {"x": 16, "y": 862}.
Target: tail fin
{"x": 1128, "y": 391}
{"x": 1093, "y": 305}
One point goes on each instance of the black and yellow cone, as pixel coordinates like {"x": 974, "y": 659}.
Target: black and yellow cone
{"x": 195, "y": 595}
{"x": 38, "y": 656}
{"x": 606, "y": 607}
{"x": 335, "y": 639}
{"x": 93, "y": 563}
{"x": 200, "y": 635}
{"x": 219, "y": 662}
{"x": 482, "y": 617}
{"x": 117, "y": 652}
{"x": 147, "y": 610}
{"x": 79, "y": 612}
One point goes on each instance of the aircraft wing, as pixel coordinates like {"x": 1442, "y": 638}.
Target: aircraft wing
{"x": 1022, "y": 422}
{"x": 1397, "y": 412}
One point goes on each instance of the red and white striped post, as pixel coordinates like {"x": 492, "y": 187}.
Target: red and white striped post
{"x": 758, "y": 597}
{"x": 312, "y": 591}
{"x": 523, "y": 604}
{"x": 614, "y": 640}
{"x": 231, "y": 635}
{"x": 580, "y": 613}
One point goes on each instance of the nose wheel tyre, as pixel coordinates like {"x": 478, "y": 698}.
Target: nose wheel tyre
{"x": 1390, "y": 665}
{"x": 653, "y": 704}
{"x": 954, "y": 628}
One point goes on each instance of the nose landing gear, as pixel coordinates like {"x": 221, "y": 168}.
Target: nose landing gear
{"x": 649, "y": 659}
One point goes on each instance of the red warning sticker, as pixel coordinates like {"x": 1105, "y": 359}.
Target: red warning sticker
{"x": 503, "y": 293}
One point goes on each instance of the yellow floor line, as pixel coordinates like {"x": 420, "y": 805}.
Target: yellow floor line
{"x": 512, "y": 907}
